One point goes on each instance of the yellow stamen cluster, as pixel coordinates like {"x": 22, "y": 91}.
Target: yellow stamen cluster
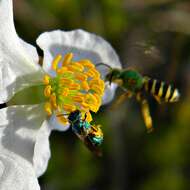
{"x": 76, "y": 86}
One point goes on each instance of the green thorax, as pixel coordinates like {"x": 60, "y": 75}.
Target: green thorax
{"x": 131, "y": 80}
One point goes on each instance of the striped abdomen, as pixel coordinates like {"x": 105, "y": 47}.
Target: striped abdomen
{"x": 161, "y": 91}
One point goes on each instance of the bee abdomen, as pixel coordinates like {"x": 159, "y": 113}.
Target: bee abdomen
{"x": 161, "y": 90}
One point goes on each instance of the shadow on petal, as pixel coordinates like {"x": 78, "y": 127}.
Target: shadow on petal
{"x": 18, "y": 129}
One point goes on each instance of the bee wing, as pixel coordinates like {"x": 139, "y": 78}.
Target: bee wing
{"x": 94, "y": 149}
{"x": 121, "y": 99}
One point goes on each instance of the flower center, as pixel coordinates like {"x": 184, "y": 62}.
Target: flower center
{"x": 76, "y": 86}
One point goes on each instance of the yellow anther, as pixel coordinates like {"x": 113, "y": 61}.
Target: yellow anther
{"x": 95, "y": 129}
{"x": 47, "y": 91}
{"x": 98, "y": 99}
{"x": 81, "y": 77}
{"x": 94, "y": 108}
{"x": 56, "y": 62}
{"x": 96, "y": 73}
{"x": 68, "y": 73}
{"x": 69, "y": 107}
{"x": 79, "y": 66}
{"x": 61, "y": 119}
{"x": 46, "y": 79}
{"x": 84, "y": 85}
{"x": 94, "y": 81}
{"x": 87, "y": 63}
{"x": 97, "y": 89}
{"x": 67, "y": 59}
{"x": 73, "y": 68}
{"x": 90, "y": 73}
{"x": 66, "y": 81}
{"x": 48, "y": 108}
{"x": 85, "y": 105}
{"x": 74, "y": 86}
{"x": 88, "y": 117}
{"x": 53, "y": 101}
{"x": 78, "y": 99}
{"x": 102, "y": 84}
{"x": 89, "y": 98}
{"x": 62, "y": 70}
{"x": 97, "y": 81}
{"x": 65, "y": 92}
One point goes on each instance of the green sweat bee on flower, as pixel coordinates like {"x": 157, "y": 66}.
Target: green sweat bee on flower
{"x": 134, "y": 84}
{"x": 91, "y": 135}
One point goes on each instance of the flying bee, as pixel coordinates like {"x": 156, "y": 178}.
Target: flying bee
{"x": 91, "y": 135}
{"x": 134, "y": 84}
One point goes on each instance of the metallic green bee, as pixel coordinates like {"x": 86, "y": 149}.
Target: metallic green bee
{"x": 133, "y": 83}
{"x": 91, "y": 135}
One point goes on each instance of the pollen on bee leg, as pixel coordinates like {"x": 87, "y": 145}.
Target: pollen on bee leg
{"x": 48, "y": 108}
{"x": 47, "y": 91}
{"x": 67, "y": 59}
{"x": 56, "y": 61}
{"x": 88, "y": 117}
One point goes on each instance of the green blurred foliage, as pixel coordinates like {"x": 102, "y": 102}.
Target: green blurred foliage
{"x": 153, "y": 37}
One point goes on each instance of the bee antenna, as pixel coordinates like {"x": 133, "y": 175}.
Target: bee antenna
{"x": 110, "y": 78}
{"x": 108, "y": 66}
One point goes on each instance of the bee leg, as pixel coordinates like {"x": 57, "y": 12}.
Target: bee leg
{"x": 145, "y": 112}
{"x": 158, "y": 99}
{"x": 121, "y": 99}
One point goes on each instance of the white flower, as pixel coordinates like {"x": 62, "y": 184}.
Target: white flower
{"x": 25, "y": 129}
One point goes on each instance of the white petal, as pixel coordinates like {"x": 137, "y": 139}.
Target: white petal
{"x": 55, "y": 125}
{"x": 42, "y": 149}
{"x": 83, "y": 44}
{"x": 23, "y": 137}
{"x": 16, "y": 173}
{"x": 109, "y": 93}
{"x": 18, "y": 60}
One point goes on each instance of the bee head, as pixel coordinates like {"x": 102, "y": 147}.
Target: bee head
{"x": 74, "y": 116}
{"x": 113, "y": 75}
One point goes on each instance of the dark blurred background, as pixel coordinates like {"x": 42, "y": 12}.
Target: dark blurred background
{"x": 152, "y": 36}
